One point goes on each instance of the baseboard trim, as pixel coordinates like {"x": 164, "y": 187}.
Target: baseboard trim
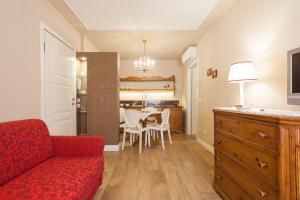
{"x": 111, "y": 148}
{"x": 206, "y": 146}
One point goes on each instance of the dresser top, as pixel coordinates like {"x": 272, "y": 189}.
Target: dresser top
{"x": 272, "y": 114}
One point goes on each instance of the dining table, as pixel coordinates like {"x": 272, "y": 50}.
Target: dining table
{"x": 145, "y": 115}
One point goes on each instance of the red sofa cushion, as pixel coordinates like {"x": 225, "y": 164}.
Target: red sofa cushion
{"x": 23, "y": 145}
{"x": 78, "y": 146}
{"x": 60, "y": 178}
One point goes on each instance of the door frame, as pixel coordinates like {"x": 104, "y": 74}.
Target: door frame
{"x": 192, "y": 64}
{"x": 43, "y": 28}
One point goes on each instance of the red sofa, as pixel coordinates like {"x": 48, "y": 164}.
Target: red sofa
{"x": 37, "y": 166}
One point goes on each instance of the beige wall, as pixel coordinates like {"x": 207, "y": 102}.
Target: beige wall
{"x": 260, "y": 31}
{"x": 164, "y": 68}
{"x": 20, "y": 54}
{"x": 88, "y": 46}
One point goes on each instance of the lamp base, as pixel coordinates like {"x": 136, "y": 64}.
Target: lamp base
{"x": 242, "y": 99}
{"x": 241, "y": 107}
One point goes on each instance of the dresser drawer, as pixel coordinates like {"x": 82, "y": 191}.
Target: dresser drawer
{"x": 264, "y": 134}
{"x": 227, "y": 187}
{"x": 254, "y": 186}
{"x": 259, "y": 162}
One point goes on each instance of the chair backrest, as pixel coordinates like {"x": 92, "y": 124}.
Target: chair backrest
{"x": 122, "y": 111}
{"x": 165, "y": 115}
{"x": 132, "y": 118}
{"x": 150, "y": 109}
{"x": 23, "y": 144}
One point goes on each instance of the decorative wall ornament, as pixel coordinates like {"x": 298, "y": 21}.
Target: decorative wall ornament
{"x": 209, "y": 72}
{"x": 214, "y": 73}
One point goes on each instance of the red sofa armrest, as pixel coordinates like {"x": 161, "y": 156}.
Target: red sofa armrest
{"x": 78, "y": 145}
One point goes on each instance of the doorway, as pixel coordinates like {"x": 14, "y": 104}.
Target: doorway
{"x": 58, "y": 97}
{"x": 192, "y": 96}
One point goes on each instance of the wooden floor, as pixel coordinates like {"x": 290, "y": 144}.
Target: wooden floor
{"x": 183, "y": 171}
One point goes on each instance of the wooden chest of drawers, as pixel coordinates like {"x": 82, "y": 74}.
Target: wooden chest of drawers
{"x": 257, "y": 155}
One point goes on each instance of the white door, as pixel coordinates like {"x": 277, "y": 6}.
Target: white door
{"x": 59, "y": 86}
{"x": 194, "y": 98}
{"x": 192, "y": 108}
{"x": 189, "y": 99}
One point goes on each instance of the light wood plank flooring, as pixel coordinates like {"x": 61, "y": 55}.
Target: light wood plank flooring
{"x": 183, "y": 171}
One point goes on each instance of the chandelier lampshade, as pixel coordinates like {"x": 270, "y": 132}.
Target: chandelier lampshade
{"x": 145, "y": 63}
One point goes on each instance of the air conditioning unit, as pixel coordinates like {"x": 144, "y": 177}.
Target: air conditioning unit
{"x": 189, "y": 54}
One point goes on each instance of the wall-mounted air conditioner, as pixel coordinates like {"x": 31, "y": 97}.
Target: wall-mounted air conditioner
{"x": 189, "y": 54}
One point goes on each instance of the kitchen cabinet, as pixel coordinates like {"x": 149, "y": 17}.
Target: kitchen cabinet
{"x": 176, "y": 119}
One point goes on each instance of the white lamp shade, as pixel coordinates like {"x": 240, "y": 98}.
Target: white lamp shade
{"x": 241, "y": 72}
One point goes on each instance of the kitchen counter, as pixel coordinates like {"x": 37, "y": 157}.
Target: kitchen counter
{"x": 150, "y": 103}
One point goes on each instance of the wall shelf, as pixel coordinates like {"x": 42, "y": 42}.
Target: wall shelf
{"x": 149, "y": 79}
{"x": 148, "y": 90}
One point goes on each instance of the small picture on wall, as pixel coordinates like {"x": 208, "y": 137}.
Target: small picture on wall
{"x": 209, "y": 72}
{"x": 214, "y": 73}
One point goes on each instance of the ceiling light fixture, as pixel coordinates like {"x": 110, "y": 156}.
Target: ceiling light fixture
{"x": 145, "y": 63}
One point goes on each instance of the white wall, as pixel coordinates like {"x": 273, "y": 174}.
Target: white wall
{"x": 260, "y": 31}
{"x": 20, "y": 54}
{"x": 164, "y": 68}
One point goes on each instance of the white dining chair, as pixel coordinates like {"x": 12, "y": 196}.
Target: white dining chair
{"x": 151, "y": 120}
{"x": 164, "y": 126}
{"x": 122, "y": 120}
{"x": 122, "y": 111}
{"x": 133, "y": 127}
{"x": 122, "y": 123}
{"x": 151, "y": 110}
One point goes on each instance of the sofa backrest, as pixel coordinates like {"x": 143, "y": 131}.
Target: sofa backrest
{"x": 23, "y": 145}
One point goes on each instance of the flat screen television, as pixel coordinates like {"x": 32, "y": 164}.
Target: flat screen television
{"x": 293, "y": 89}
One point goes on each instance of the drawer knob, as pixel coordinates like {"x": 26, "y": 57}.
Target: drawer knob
{"x": 219, "y": 178}
{"x": 218, "y": 158}
{"x": 218, "y": 141}
{"x": 262, "y": 135}
{"x": 237, "y": 156}
{"x": 263, "y": 193}
{"x": 220, "y": 122}
{"x": 261, "y": 164}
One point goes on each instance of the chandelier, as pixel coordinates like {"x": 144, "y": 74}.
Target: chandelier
{"x": 145, "y": 63}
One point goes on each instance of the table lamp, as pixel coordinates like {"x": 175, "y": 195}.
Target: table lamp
{"x": 241, "y": 72}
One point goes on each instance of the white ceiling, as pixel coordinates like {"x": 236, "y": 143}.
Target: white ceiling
{"x": 160, "y": 45}
{"x": 142, "y": 14}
